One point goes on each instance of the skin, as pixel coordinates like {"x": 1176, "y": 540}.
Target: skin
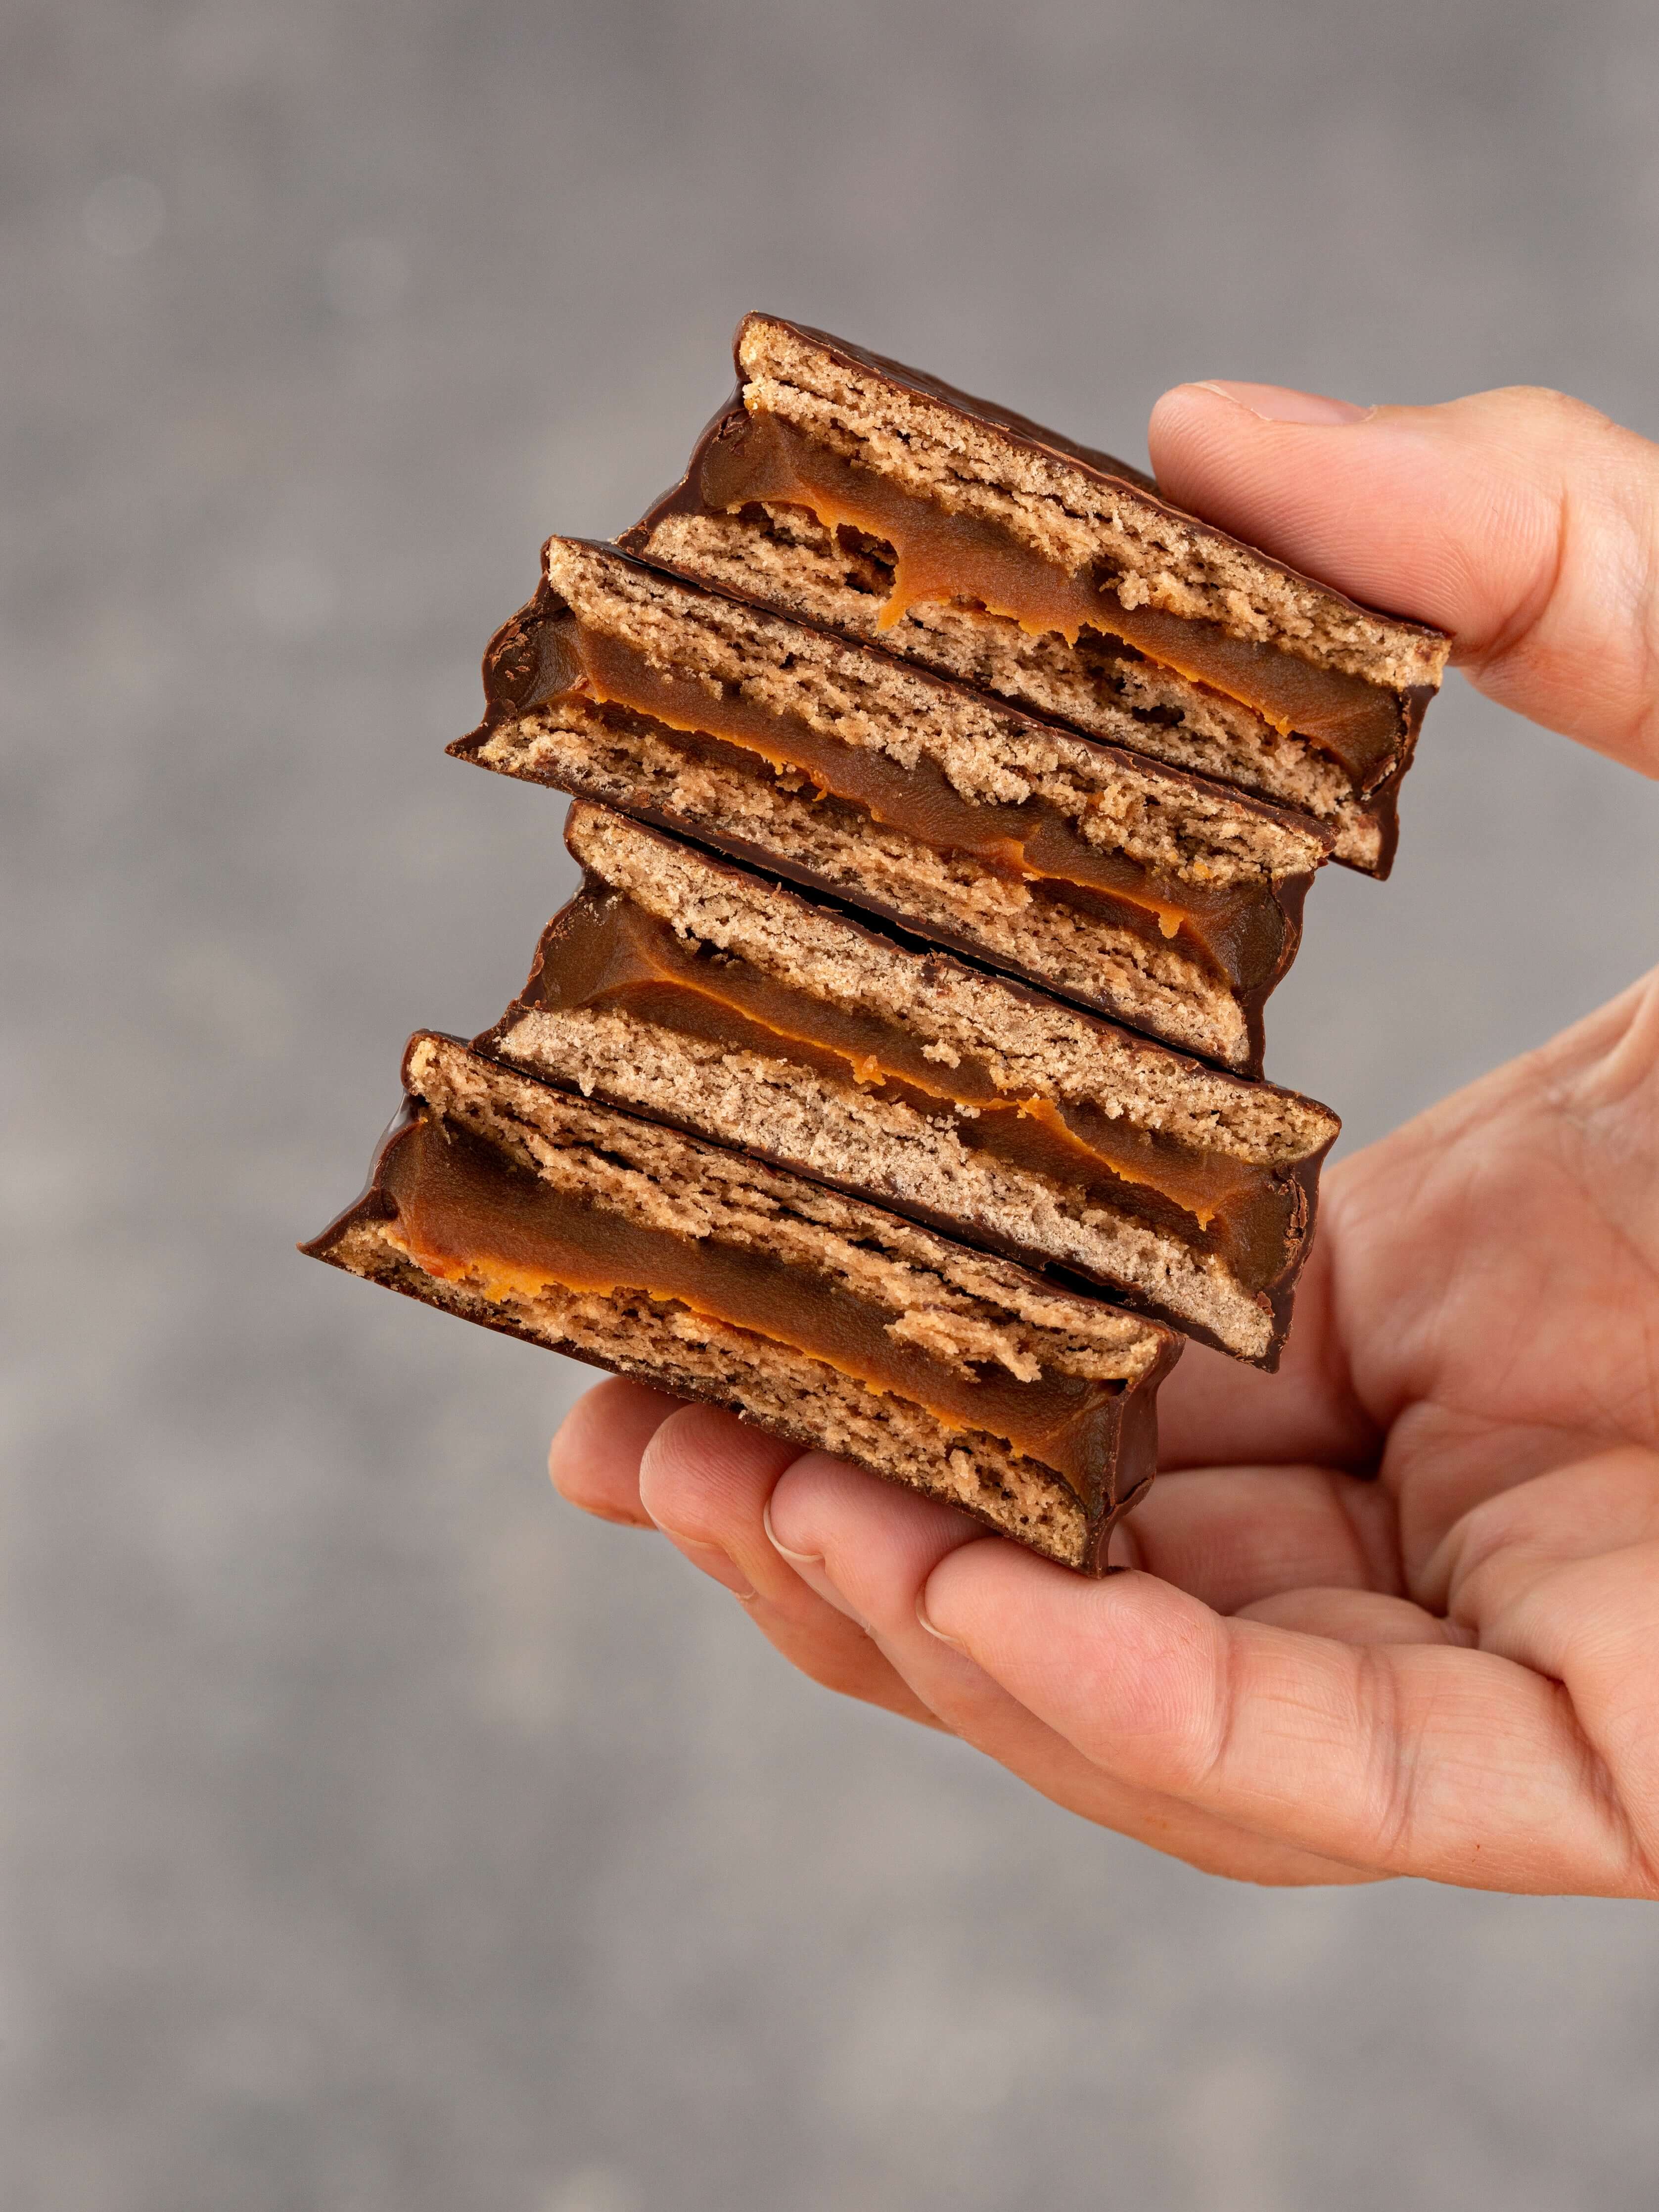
{"x": 1395, "y": 1610}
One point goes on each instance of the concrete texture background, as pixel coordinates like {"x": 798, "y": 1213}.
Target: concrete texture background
{"x": 377, "y": 1835}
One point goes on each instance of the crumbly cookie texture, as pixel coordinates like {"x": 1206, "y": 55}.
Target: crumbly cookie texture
{"x": 970, "y": 1305}
{"x": 796, "y": 1396}
{"x": 1029, "y": 1044}
{"x": 884, "y": 1146}
{"x": 624, "y": 761}
{"x": 1070, "y": 514}
{"x": 988, "y": 756}
{"x": 785, "y": 555}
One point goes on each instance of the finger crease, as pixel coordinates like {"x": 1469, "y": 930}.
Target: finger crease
{"x": 1529, "y": 610}
{"x": 1224, "y": 1710}
{"x": 1600, "y": 1783}
{"x": 1380, "y": 1713}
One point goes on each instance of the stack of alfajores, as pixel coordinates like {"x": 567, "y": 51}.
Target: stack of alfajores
{"x": 946, "y": 802}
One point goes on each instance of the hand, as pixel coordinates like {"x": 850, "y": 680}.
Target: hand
{"x": 1451, "y": 1669}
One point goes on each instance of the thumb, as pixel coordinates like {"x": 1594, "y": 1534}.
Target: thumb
{"x": 1523, "y": 522}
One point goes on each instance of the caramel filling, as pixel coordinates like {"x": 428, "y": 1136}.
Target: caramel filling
{"x": 465, "y": 1210}
{"x": 1237, "y": 931}
{"x": 939, "y": 555}
{"x": 607, "y": 953}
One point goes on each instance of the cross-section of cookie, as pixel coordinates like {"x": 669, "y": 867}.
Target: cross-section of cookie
{"x": 1165, "y": 902}
{"x": 700, "y": 994}
{"x": 855, "y": 492}
{"x": 830, "y": 1322}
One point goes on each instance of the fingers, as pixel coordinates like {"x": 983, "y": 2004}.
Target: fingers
{"x": 1407, "y": 1757}
{"x": 1354, "y": 1616}
{"x": 1523, "y": 522}
{"x": 1603, "y": 1504}
{"x": 594, "y": 1458}
{"x": 1298, "y": 1546}
{"x": 1234, "y": 1536}
{"x": 705, "y": 1479}
{"x": 851, "y": 1550}
{"x": 871, "y": 1548}
{"x": 709, "y": 1478}
{"x": 1562, "y": 1575}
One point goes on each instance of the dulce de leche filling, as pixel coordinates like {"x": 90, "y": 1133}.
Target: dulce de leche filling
{"x": 941, "y": 556}
{"x": 465, "y": 1210}
{"x": 606, "y": 953}
{"x": 1238, "y": 931}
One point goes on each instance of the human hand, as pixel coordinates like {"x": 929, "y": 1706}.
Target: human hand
{"x": 1451, "y": 1670}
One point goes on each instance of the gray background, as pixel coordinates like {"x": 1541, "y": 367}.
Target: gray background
{"x": 378, "y": 1836}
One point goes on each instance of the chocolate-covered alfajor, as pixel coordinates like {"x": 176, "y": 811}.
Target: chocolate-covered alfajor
{"x": 1145, "y": 894}
{"x": 826, "y": 1320}
{"x": 852, "y": 491}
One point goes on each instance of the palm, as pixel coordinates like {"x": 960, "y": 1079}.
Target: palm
{"x": 1483, "y": 1306}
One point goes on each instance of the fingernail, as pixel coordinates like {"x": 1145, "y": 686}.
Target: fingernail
{"x": 1277, "y": 403}
{"x": 715, "y": 1564}
{"x": 795, "y": 1559}
{"x": 814, "y": 1573}
{"x": 939, "y": 1633}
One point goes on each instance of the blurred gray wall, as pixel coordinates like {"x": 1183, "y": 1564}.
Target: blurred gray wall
{"x": 378, "y": 1836}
